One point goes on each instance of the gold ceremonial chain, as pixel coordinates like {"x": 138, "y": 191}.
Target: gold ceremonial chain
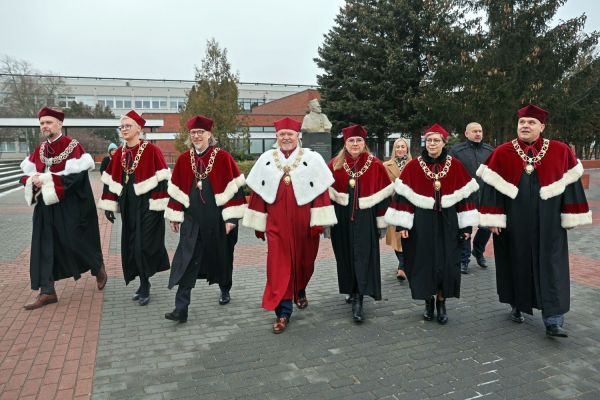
{"x": 61, "y": 157}
{"x": 209, "y": 167}
{"x": 437, "y": 185}
{"x": 531, "y": 161}
{"x": 136, "y": 161}
{"x": 287, "y": 169}
{"x": 355, "y": 175}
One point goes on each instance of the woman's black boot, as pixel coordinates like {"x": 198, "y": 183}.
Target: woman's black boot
{"x": 429, "y": 305}
{"x": 442, "y": 317}
{"x": 357, "y": 308}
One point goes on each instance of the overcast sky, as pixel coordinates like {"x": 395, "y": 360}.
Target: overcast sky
{"x": 271, "y": 41}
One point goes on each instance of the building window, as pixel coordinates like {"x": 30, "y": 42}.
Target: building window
{"x": 8, "y": 147}
{"x": 23, "y": 148}
{"x": 269, "y": 143}
{"x": 256, "y": 146}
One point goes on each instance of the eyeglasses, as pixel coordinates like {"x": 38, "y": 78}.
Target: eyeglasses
{"x": 355, "y": 141}
{"x": 125, "y": 127}
{"x": 197, "y": 133}
{"x": 434, "y": 141}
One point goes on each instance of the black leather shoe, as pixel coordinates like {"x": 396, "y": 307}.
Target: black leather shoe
{"x": 442, "y": 317}
{"x": 177, "y": 315}
{"x": 429, "y": 307}
{"x": 480, "y": 260}
{"x": 143, "y": 301}
{"x": 349, "y": 299}
{"x": 556, "y": 331}
{"x": 135, "y": 297}
{"x": 464, "y": 268}
{"x": 516, "y": 315}
{"x": 225, "y": 298}
{"x": 357, "y": 308}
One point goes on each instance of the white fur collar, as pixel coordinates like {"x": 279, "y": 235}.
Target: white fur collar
{"x": 311, "y": 178}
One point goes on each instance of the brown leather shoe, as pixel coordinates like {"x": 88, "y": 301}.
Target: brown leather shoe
{"x": 101, "y": 277}
{"x": 42, "y": 300}
{"x": 302, "y": 302}
{"x": 280, "y": 324}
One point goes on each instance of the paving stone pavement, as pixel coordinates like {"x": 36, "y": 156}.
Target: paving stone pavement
{"x": 229, "y": 352}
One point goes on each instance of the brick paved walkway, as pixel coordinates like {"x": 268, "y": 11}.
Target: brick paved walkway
{"x": 102, "y": 345}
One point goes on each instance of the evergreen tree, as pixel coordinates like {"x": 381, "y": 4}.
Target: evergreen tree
{"x": 214, "y": 95}
{"x": 379, "y": 57}
{"x": 523, "y": 59}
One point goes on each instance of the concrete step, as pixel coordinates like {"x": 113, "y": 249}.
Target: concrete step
{"x": 9, "y": 172}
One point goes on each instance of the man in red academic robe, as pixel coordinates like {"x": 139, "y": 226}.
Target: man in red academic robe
{"x": 290, "y": 204}
{"x": 66, "y": 239}
{"x": 532, "y": 194}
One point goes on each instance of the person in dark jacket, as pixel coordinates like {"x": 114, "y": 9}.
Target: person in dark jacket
{"x": 472, "y": 153}
{"x": 112, "y": 148}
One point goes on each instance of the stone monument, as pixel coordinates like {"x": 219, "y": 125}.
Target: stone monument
{"x": 316, "y": 130}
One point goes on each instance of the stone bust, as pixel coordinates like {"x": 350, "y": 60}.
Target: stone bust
{"x": 315, "y": 121}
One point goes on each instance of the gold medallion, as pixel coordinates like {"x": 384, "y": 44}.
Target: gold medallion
{"x": 199, "y": 184}
{"x": 437, "y": 185}
{"x": 352, "y": 182}
{"x": 126, "y": 178}
{"x": 529, "y": 169}
{"x": 287, "y": 179}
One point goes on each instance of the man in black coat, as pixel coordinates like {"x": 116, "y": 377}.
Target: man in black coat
{"x": 472, "y": 153}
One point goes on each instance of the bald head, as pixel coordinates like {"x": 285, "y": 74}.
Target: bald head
{"x": 474, "y": 132}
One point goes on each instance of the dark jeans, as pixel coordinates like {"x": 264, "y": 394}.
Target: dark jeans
{"x": 479, "y": 242}
{"x": 284, "y": 309}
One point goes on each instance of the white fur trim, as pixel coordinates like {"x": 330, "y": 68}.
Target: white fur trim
{"x": 230, "y": 190}
{"x": 178, "y": 194}
{"x": 108, "y": 205}
{"x": 573, "y": 220}
{"x": 381, "y": 222}
{"x": 113, "y": 187}
{"x": 415, "y": 198}
{"x": 496, "y": 181}
{"x": 375, "y": 198}
{"x": 341, "y": 198}
{"x": 234, "y": 212}
{"x": 158, "y": 204}
{"x": 48, "y": 189}
{"x": 395, "y": 217}
{"x": 152, "y": 182}
{"x": 309, "y": 180}
{"x": 558, "y": 187}
{"x": 173, "y": 216}
{"x": 323, "y": 216}
{"x": 492, "y": 220}
{"x": 77, "y": 165}
{"x": 468, "y": 218}
{"x": 464, "y": 192}
{"x": 29, "y": 191}
{"x": 28, "y": 167}
{"x": 255, "y": 220}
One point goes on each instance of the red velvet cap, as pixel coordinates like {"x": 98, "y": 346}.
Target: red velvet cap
{"x": 533, "y": 111}
{"x": 354, "y": 130}
{"x": 50, "y": 112}
{"x": 199, "y": 122}
{"x": 287, "y": 123}
{"x": 437, "y": 128}
{"x": 136, "y": 117}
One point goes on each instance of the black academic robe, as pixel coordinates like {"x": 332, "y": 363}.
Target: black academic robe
{"x": 65, "y": 239}
{"x": 436, "y": 223}
{"x": 355, "y": 238}
{"x": 205, "y": 251}
{"x": 531, "y": 252}
{"x": 143, "y": 251}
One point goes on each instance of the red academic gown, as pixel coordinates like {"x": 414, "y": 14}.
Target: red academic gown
{"x": 286, "y": 213}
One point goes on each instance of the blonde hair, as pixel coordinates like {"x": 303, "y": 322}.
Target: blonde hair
{"x": 407, "y": 147}
{"x": 339, "y": 159}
